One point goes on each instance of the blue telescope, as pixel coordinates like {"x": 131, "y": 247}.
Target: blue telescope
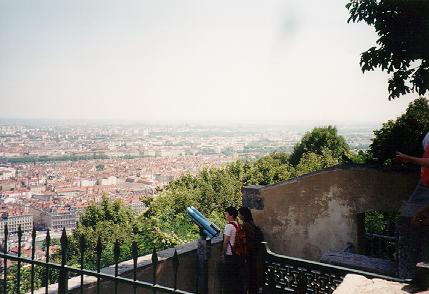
{"x": 209, "y": 229}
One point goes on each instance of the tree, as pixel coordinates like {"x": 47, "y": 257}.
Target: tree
{"x": 269, "y": 169}
{"x": 318, "y": 140}
{"x": 111, "y": 220}
{"x": 311, "y": 162}
{"x": 404, "y": 134}
{"x": 402, "y": 46}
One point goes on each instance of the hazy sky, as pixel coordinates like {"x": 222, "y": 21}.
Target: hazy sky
{"x": 275, "y": 60}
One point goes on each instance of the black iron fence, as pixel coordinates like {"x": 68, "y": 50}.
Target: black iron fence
{"x": 284, "y": 274}
{"x": 63, "y": 271}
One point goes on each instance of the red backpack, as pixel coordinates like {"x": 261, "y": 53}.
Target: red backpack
{"x": 239, "y": 248}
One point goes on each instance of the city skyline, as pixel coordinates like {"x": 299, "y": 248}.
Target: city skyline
{"x": 188, "y": 61}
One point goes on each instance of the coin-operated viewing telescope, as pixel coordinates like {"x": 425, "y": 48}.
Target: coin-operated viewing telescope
{"x": 209, "y": 229}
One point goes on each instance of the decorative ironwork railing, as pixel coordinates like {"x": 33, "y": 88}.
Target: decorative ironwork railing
{"x": 284, "y": 274}
{"x": 64, "y": 271}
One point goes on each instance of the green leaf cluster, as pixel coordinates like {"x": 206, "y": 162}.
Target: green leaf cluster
{"x": 402, "y": 47}
{"x": 320, "y": 141}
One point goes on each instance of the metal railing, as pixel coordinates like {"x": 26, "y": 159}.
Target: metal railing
{"x": 65, "y": 271}
{"x": 284, "y": 274}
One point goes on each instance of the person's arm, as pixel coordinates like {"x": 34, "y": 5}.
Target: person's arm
{"x": 411, "y": 159}
{"x": 225, "y": 244}
{"x": 226, "y": 238}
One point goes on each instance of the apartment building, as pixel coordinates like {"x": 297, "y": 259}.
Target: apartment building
{"x": 59, "y": 218}
{"x": 13, "y": 222}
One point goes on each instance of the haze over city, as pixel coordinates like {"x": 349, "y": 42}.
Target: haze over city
{"x": 188, "y": 61}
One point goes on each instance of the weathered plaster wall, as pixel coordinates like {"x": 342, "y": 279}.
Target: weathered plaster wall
{"x": 307, "y": 216}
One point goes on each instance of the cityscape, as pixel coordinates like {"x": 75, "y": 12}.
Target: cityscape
{"x": 214, "y": 147}
{"x": 50, "y": 171}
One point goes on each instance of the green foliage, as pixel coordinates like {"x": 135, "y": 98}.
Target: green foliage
{"x": 378, "y": 222}
{"x": 404, "y": 134}
{"x": 402, "y": 46}
{"x": 374, "y": 222}
{"x": 39, "y": 278}
{"x": 310, "y": 162}
{"x": 210, "y": 192}
{"x": 269, "y": 170}
{"x": 318, "y": 140}
{"x": 361, "y": 157}
{"x": 110, "y": 211}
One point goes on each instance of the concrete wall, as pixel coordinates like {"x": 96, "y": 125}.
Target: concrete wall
{"x": 309, "y": 215}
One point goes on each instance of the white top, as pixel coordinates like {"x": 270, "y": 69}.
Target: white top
{"x": 230, "y": 231}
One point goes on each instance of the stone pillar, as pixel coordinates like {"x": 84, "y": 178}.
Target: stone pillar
{"x": 413, "y": 241}
{"x": 252, "y": 197}
{"x": 421, "y": 279}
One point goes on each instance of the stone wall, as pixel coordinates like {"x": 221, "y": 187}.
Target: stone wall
{"x": 309, "y": 215}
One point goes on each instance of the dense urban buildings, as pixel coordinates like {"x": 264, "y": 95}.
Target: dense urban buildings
{"x": 50, "y": 171}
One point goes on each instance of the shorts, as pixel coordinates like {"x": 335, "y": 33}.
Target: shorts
{"x": 420, "y": 194}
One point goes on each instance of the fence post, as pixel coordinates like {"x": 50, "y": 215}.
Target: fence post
{"x": 63, "y": 278}
{"x": 135, "y": 253}
{"x": 18, "y": 274}
{"x": 6, "y": 233}
{"x": 154, "y": 268}
{"x": 33, "y": 254}
{"x": 175, "y": 268}
{"x": 203, "y": 253}
{"x": 116, "y": 255}
{"x": 47, "y": 269}
{"x": 99, "y": 250}
{"x": 82, "y": 246}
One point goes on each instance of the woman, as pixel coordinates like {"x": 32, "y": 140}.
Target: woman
{"x": 250, "y": 270}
